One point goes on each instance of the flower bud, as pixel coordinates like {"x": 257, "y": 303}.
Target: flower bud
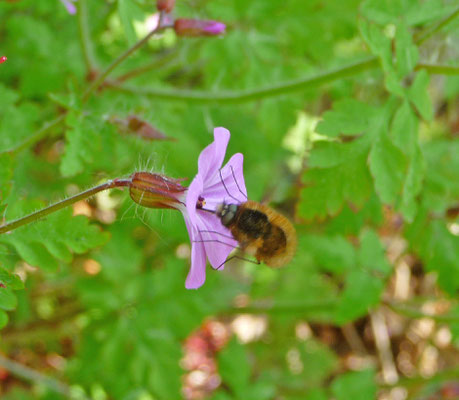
{"x": 156, "y": 191}
{"x": 197, "y": 27}
{"x": 165, "y": 5}
{"x": 2, "y": 59}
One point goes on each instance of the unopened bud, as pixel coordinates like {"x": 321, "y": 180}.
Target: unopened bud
{"x": 3, "y": 59}
{"x": 156, "y": 191}
{"x": 197, "y": 27}
{"x": 165, "y": 5}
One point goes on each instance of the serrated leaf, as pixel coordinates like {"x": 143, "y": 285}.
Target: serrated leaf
{"x": 388, "y": 167}
{"x": 334, "y": 253}
{"x": 406, "y": 51}
{"x": 437, "y": 247}
{"x": 348, "y": 117}
{"x": 328, "y": 189}
{"x": 362, "y": 291}
{"x": 332, "y": 154}
{"x": 355, "y": 385}
{"x": 404, "y": 129}
{"x": 418, "y": 94}
{"x": 90, "y": 144}
{"x": 381, "y": 46}
{"x": 47, "y": 241}
{"x": 371, "y": 254}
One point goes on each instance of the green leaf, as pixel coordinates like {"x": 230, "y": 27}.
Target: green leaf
{"x": 388, "y": 167}
{"x": 406, "y": 51}
{"x": 412, "y": 185}
{"x": 441, "y": 188}
{"x": 45, "y": 242}
{"x": 362, "y": 291}
{"x": 334, "y": 253}
{"x": 348, "y": 117}
{"x": 6, "y": 175}
{"x": 10, "y": 280}
{"x": 328, "y": 189}
{"x": 234, "y": 366}
{"x": 381, "y": 46}
{"x": 3, "y": 319}
{"x": 437, "y": 247}
{"x": 129, "y": 12}
{"x": 418, "y": 94}
{"x": 8, "y": 300}
{"x": 355, "y": 385}
{"x": 90, "y": 144}
{"x": 371, "y": 254}
{"x": 404, "y": 129}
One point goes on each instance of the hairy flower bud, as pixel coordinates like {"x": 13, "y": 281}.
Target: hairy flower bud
{"x": 165, "y": 5}
{"x": 196, "y": 27}
{"x": 156, "y": 191}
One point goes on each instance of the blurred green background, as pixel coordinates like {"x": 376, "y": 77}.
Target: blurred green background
{"x": 347, "y": 116}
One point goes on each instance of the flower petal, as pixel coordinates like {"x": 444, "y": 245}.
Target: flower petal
{"x": 194, "y": 191}
{"x": 197, "y": 274}
{"x": 233, "y": 190}
{"x": 218, "y": 241}
{"x": 211, "y": 158}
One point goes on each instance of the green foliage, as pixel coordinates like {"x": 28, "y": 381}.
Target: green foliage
{"x": 98, "y": 300}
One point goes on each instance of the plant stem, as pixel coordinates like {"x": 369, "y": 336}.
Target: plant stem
{"x": 157, "y": 63}
{"x": 61, "y": 204}
{"x": 85, "y": 39}
{"x": 37, "y": 136}
{"x": 415, "y": 313}
{"x": 101, "y": 78}
{"x": 31, "y": 375}
{"x": 439, "y": 25}
{"x": 241, "y": 96}
{"x": 438, "y": 69}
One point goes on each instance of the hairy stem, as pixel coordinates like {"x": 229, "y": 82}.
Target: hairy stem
{"x": 241, "y": 96}
{"x": 28, "y": 219}
{"x": 85, "y": 39}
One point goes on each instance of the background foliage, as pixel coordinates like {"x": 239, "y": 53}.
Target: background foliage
{"x": 347, "y": 115}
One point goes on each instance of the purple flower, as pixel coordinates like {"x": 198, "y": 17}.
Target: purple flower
{"x": 197, "y": 27}
{"x": 212, "y": 186}
{"x": 69, "y": 6}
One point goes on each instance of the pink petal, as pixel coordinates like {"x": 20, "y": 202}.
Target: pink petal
{"x": 194, "y": 191}
{"x": 211, "y": 158}
{"x": 233, "y": 190}
{"x": 218, "y": 243}
{"x": 197, "y": 274}
{"x": 71, "y": 9}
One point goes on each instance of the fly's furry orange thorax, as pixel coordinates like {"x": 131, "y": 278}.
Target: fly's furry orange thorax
{"x": 260, "y": 231}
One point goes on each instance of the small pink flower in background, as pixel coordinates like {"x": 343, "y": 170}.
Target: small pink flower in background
{"x": 212, "y": 186}
{"x": 197, "y": 27}
{"x": 3, "y": 59}
{"x": 71, "y": 8}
